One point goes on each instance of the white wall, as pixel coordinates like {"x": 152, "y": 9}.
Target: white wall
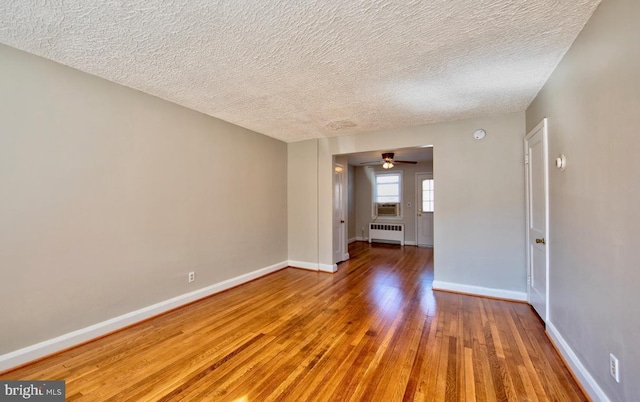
{"x": 109, "y": 197}
{"x": 592, "y": 102}
{"x": 479, "y": 226}
{"x": 364, "y": 188}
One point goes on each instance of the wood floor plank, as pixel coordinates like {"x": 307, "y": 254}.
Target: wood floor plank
{"x": 375, "y": 330}
{"x": 469, "y": 379}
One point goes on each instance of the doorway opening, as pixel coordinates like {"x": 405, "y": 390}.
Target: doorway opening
{"x": 377, "y": 189}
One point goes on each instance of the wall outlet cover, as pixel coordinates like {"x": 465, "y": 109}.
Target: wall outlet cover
{"x": 614, "y": 367}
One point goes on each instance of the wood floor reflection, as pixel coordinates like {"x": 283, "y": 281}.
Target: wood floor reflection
{"x": 374, "y": 331}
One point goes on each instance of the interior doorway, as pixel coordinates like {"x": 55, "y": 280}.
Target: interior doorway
{"x": 537, "y": 187}
{"x": 375, "y": 199}
{"x": 340, "y": 247}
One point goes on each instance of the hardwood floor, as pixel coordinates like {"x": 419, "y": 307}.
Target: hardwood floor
{"x": 374, "y": 331}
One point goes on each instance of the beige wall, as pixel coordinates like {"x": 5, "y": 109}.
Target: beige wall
{"x": 109, "y": 197}
{"x": 592, "y": 104}
{"x": 362, "y": 207}
{"x": 364, "y": 190}
{"x": 351, "y": 203}
{"x": 479, "y": 226}
{"x": 302, "y": 190}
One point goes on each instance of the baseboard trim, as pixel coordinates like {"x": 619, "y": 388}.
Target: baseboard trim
{"x": 409, "y": 243}
{"x": 311, "y": 266}
{"x": 39, "y": 350}
{"x": 351, "y": 240}
{"x": 480, "y": 291}
{"x": 362, "y": 239}
{"x": 331, "y": 268}
{"x": 582, "y": 375}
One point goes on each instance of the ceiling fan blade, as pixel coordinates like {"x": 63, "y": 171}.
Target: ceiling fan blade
{"x": 411, "y": 162}
{"x": 372, "y": 163}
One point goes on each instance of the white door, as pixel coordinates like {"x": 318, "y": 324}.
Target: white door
{"x": 339, "y": 225}
{"x": 424, "y": 218}
{"x": 536, "y": 160}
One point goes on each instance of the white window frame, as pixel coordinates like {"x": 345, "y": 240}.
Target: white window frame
{"x": 433, "y": 200}
{"x": 374, "y": 192}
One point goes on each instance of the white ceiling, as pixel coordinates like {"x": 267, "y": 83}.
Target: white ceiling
{"x": 310, "y": 69}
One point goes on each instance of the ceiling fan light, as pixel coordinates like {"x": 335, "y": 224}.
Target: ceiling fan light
{"x": 387, "y": 165}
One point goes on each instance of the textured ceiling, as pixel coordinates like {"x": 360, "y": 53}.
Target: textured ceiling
{"x": 309, "y": 69}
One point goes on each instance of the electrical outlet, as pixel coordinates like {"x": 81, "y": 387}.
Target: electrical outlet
{"x": 192, "y": 276}
{"x": 614, "y": 367}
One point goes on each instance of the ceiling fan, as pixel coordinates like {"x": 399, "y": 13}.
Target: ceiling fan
{"x": 387, "y": 161}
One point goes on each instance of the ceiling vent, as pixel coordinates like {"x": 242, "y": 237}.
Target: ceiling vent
{"x": 341, "y": 124}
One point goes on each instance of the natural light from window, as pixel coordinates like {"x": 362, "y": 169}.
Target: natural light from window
{"x": 387, "y": 188}
{"x": 427, "y": 195}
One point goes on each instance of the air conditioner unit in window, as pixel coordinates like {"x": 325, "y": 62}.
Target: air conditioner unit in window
{"x": 387, "y": 209}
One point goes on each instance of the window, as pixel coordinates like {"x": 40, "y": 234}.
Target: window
{"x": 387, "y": 188}
{"x": 387, "y": 194}
{"x": 427, "y": 195}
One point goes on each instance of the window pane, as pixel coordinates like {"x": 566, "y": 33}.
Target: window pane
{"x": 388, "y": 178}
{"x": 387, "y": 188}
{"x": 388, "y": 192}
{"x": 427, "y": 195}
{"x": 388, "y": 199}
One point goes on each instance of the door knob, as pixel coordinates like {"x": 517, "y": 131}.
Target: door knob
{"x": 540, "y": 241}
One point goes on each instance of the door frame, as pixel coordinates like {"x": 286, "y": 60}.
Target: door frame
{"x": 341, "y": 227}
{"x": 543, "y": 125}
{"x": 417, "y": 204}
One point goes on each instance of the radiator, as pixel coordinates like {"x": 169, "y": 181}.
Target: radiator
{"x": 386, "y": 232}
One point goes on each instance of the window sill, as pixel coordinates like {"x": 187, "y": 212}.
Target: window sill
{"x": 387, "y": 218}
